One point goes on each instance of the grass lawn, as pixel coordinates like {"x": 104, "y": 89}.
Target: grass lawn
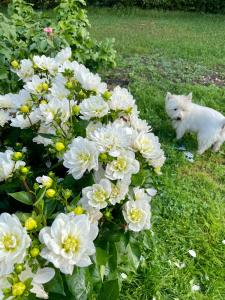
{"x": 177, "y": 52}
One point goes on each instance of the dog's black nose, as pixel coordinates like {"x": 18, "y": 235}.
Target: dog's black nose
{"x": 179, "y": 119}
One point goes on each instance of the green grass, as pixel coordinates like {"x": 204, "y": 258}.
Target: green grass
{"x": 177, "y": 52}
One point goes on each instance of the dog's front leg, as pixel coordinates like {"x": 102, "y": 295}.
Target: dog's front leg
{"x": 180, "y": 133}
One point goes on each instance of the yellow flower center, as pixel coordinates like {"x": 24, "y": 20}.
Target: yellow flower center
{"x": 71, "y": 244}
{"x": 115, "y": 191}
{"x": 99, "y": 195}
{"x": 120, "y": 164}
{"x": 84, "y": 157}
{"x": 18, "y": 289}
{"x": 135, "y": 215}
{"x": 9, "y": 242}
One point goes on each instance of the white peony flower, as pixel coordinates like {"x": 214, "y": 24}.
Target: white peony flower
{"x": 46, "y": 64}
{"x": 14, "y": 242}
{"x": 26, "y": 71}
{"x": 137, "y": 214}
{"x": 119, "y": 191}
{"x": 63, "y": 55}
{"x": 81, "y": 156}
{"x": 44, "y": 181}
{"x": 111, "y": 138}
{"x": 140, "y": 194}
{"x": 56, "y": 108}
{"x": 192, "y": 253}
{"x": 122, "y": 100}
{"x": 7, "y": 165}
{"x": 6, "y": 101}
{"x": 23, "y": 121}
{"x": 40, "y": 277}
{"x": 90, "y": 81}
{"x": 158, "y": 161}
{"x": 91, "y": 127}
{"x": 123, "y": 166}
{"x": 98, "y": 194}
{"x": 4, "y": 117}
{"x": 69, "y": 242}
{"x": 35, "y": 86}
{"x": 93, "y": 107}
{"x": 46, "y": 129}
{"x": 138, "y": 124}
{"x": 58, "y": 90}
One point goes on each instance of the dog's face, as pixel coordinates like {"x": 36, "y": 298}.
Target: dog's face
{"x": 177, "y": 106}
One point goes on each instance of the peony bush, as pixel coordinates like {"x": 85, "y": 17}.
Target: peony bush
{"x": 76, "y": 163}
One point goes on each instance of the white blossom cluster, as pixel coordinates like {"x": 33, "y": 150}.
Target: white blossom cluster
{"x": 58, "y": 94}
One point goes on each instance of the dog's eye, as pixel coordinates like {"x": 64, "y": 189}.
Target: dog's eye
{"x": 175, "y": 109}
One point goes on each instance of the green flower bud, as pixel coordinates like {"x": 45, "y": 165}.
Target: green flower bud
{"x": 59, "y": 146}
{"x": 24, "y": 109}
{"x": 15, "y": 64}
{"x": 50, "y": 193}
{"x": 34, "y": 252}
{"x": 30, "y": 224}
{"x": 76, "y": 109}
{"x": 107, "y": 95}
{"x": 24, "y": 170}
{"x": 17, "y": 156}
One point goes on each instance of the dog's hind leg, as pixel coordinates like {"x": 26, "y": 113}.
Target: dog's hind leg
{"x": 204, "y": 143}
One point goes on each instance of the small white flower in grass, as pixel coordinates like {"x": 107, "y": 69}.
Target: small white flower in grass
{"x": 123, "y": 166}
{"x": 93, "y": 107}
{"x": 26, "y": 71}
{"x": 69, "y": 242}
{"x": 192, "y": 253}
{"x": 7, "y": 165}
{"x": 180, "y": 265}
{"x": 14, "y": 242}
{"x": 98, "y": 194}
{"x": 123, "y": 276}
{"x": 137, "y": 214}
{"x": 195, "y": 288}
{"x": 4, "y": 117}
{"x": 82, "y": 156}
{"x": 122, "y": 100}
{"x": 223, "y": 242}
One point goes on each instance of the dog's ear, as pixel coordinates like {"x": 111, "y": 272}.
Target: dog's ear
{"x": 168, "y": 96}
{"x": 189, "y": 97}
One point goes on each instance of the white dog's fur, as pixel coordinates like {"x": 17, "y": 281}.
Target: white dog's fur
{"x": 207, "y": 123}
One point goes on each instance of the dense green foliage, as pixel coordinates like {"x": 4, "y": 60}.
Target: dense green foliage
{"x": 22, "y": 35}
{"x": 213, "y": 6}
{"x": 177, "y": 52}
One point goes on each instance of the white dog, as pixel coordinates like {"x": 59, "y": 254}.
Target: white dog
{"x": 186, "y": 116}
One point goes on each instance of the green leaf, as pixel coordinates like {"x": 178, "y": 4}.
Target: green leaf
{"x": 77, "y": 285}
{"x": 56, "y": 285}
{"x": 40, "y": 195}
{"x": 134, "y": 255}
{"x": 109, "y": 290}
{"x": 23, "y": 197}
{"x": 101, "y": 256}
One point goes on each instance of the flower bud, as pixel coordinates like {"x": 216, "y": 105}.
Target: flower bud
{"x": 24, "y": 170}
{"x": 30, "y": 224}
{"x": 18, "y": 289}
{"x": 15, "y": 64}
{"x": 108, "y": 215}
{"x": 43, "y": 101}
{"x": 158, "y": 170}
{"x": 103, "y": 157}
{"x": 59, "y": 146}
{"x": 17, "y": 156}
{"x": 24, "y": 109}
{"x": 19, "y": 268}
{"x": 34, "y": 252}
{"x": 69, "y": 85}
{"x": 82, "y": 94}
{"x": 50, "y": 193}
{"x": 67, "y": 193}
{"x": 76, "y": 109}
{"x": 107, "y": 95}
{"x": 45, "y": 86}
{"x": 78, "y": 210}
